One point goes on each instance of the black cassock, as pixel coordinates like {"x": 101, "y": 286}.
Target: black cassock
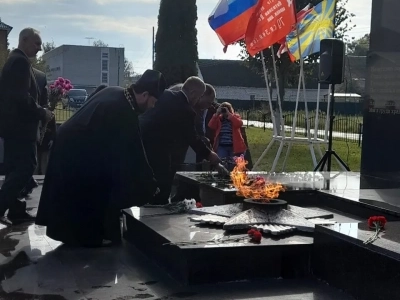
{"x": 97, "y": 167}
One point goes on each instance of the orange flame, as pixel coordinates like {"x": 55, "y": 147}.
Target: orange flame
{"x": 253, "y": 188}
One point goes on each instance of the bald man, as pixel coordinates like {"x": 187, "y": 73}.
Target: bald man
{"x": 169, "y": 125}
{"x": 20, "y": 114}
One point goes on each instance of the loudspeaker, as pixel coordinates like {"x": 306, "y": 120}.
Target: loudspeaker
{"x": 331, "y": 61}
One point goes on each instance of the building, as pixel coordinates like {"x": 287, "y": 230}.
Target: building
{"x": 4, "y": 32}
{"x": 246, "y": 90}
{"x": 86, "y": 66}
{"x": 235, "y": 82}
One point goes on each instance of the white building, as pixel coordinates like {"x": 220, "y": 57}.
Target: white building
{"x": 86, "y": 66}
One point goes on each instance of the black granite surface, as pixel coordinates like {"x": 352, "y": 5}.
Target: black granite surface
{"x": 186, "y": 250}
{"x": 33, "y": 266}
{"x": 365, "y": 271}
{"x": 307, "y": 189}
{"x": 380, "y": 162}
{"x": 191, "y": 263}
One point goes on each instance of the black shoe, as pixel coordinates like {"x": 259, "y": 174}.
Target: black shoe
{"x": 21, "y": 217}
{"x": 33, "y": 184}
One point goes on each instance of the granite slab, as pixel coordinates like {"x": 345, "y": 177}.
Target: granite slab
{"x": 227, "y": 210}
{"x": 230, "y": 210}
{"x": 209, "y": 219}
{"x": 274, "y": 229}
{"x": 308, "y": 213}
{"x": 320, "y": 221}
{"x": 282, "y": 217}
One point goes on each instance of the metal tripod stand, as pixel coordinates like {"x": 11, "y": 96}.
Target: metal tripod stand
{"x": 327, "y": 158}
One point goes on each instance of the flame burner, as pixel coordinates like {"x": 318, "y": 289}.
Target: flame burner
{"x": 266, "y": 205}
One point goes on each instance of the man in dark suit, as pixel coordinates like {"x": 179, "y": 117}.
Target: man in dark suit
{"x": 20, "y": 114}
{"x": 170, "y": 124}
{"x": 41, "y": 80}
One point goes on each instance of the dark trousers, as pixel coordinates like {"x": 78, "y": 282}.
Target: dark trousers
{"x": 19, "y": 165}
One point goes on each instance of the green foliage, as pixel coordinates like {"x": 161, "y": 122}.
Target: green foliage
{"x": 128, "y": 68}
{"x": 99, "y": 43}
{"x": 359, "y": 47}
{"x": 288, "y": 72}
{"x": 3, "y": 57}
{"x": 176, "y": 40}
{"x": 40, "y": 64}
{"x": 48, "y": 46}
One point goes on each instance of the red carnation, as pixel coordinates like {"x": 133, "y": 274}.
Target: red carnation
{"x": 255, "y": 235}
{"x": 199, "y": 205}
{"x": 377, "y": 222}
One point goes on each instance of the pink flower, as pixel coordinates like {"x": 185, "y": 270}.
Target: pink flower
{"x": 61, "y": 80}
{"x": 52, "y": 86}
{"x": 67, "y": 82}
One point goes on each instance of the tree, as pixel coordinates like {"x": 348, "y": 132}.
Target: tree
{"x": 3, "y": 57}
{"x": 128, "y": 68}
{"x": 176, "y": 40}
{"x": 284, "y": 65}
{"x": 99, "y": 43}
{"x": 48, "y": 47}
{"x": 359, "y": 47}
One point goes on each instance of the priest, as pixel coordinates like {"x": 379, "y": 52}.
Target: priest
{"x": 98, "y": 166}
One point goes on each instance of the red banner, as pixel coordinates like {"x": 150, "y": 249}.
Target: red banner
{"x": 272, "y": 20}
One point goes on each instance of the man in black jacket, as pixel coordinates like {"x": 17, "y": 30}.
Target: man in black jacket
{"x": 20, "y": 114}
{"x": 43, "y": 102}
{"x": 98, "y": 166}
{"x": 170, "y": 124}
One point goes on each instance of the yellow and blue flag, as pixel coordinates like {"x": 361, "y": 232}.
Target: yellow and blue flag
{"x": 317, "y": 25}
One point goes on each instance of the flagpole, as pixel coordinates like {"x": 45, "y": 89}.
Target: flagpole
{"x": 268, "y": 92}
{"x": 281, "y": 121}
{"x": 301, "y": 77}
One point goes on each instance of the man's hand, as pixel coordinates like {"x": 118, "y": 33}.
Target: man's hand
{"x": 214, "y": 158}
{"x": 49, "y": 115}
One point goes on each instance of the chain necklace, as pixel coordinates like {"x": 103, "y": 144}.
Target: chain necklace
{"x": 129, "y": 98}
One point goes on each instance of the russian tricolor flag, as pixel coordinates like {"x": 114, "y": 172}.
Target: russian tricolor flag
{"x": 230, "y": 18}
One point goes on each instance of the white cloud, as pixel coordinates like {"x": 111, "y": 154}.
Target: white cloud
{"x": 132, "y": 26}
{"x": 107, "y": 2}
{"x": 16, "y": 1}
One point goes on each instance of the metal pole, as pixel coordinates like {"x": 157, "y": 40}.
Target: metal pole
{"x": 153, "y": 47}
{"x": 119, "y": 59}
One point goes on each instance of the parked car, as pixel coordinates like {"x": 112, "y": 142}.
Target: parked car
{"x": 76, "y": 97}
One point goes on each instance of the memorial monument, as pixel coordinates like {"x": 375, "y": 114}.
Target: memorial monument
{"x": 380, "y": 160}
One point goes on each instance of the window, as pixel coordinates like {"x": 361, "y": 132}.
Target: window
{"x": 104, "y": 78}
{"x": 104, "y": 55}
{"x": 104, "y": 65}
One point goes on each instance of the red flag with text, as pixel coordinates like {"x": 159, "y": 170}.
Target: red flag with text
{"x": 272, "y": 20}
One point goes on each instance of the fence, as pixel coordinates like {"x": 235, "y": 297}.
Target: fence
{"x": 345, "y": 128}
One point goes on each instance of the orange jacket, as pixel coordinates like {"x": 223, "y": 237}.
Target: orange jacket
{"x": 239, "y": 146}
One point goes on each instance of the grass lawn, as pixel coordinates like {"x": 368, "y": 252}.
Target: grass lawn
{"x": 300, "y": 156}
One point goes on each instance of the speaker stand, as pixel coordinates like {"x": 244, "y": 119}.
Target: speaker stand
{"x": 327, "y": 158}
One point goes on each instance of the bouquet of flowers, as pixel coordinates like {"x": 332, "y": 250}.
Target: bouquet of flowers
{"x": 56, "y": 91}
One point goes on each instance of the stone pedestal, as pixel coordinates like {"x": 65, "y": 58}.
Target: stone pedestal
{"x": 380, "y": 160}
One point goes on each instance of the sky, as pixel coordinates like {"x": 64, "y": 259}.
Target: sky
{"x": 126, "y": 23}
